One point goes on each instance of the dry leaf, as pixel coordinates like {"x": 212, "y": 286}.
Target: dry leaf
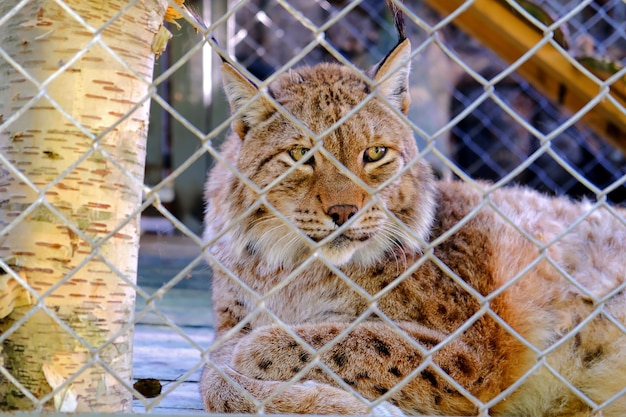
{"x": 160, "y": 40}
{"x": 171, "y": 14}
{"x": 65, "y": 400}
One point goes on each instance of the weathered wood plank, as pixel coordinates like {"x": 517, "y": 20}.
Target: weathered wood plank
{"x": 184, "y": 307}
{"x": 161, "y": 258}
{"x": 161, "y": 353}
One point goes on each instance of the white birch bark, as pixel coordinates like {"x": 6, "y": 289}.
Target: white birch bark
{"x": 72, "y": 172}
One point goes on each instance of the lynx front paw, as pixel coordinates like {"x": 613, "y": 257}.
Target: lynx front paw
{"x": 269, "y": 354}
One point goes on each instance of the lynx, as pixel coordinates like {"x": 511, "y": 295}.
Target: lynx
{"x": 348, "y": 280}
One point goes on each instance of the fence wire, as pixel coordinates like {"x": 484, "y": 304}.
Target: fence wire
{"x": 476, "y": 118}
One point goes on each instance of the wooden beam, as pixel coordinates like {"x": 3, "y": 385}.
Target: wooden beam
{"x": 510, "y": 35}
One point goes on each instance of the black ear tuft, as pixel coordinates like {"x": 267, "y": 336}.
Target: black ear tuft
{"x": 398, "y": 19}
{"x": 392, "y": 72}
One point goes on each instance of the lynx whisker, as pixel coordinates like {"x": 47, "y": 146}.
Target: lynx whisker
{"x": 388, "y": 235}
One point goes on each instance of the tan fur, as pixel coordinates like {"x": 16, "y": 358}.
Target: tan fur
{"x": 283, "y": 313}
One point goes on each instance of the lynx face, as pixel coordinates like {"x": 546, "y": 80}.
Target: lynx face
{"x": 338, "y": 141}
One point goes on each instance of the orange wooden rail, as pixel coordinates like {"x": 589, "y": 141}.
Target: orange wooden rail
{"x": 509, "y": 34}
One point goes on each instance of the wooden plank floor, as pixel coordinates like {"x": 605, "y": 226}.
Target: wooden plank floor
{"x": 172, "y": 353}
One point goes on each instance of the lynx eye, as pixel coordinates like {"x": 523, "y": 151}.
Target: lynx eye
{"x": 375, "y": 153}
{"x": 298, "y": 152}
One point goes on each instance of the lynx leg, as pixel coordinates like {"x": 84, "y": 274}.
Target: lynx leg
{"x": 372, "y": 359}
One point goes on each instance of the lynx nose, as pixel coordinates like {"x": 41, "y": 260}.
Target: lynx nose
{"x": 341, "y": 213}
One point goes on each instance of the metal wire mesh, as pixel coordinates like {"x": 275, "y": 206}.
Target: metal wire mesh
{"x": 485, "y": 122}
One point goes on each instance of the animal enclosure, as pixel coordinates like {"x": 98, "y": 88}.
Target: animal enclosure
{"x": 512, "y": 92}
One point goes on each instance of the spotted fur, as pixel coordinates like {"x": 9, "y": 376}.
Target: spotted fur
{"x": 308, "y": 240}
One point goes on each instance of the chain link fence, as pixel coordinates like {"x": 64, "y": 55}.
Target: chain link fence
{"x": 473, "y": 115}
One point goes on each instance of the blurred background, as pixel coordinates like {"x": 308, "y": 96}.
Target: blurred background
{"x": 499, "y": 137}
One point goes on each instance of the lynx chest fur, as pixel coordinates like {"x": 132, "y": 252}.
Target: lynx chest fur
{"x": 347, "y": 280}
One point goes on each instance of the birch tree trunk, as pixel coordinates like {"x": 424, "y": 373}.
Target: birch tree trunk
{"x": 61, "y": 196}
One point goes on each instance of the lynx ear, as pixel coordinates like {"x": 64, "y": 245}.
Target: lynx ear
{"x": 392, "y": 73}
{"x": 241, "y": 92}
